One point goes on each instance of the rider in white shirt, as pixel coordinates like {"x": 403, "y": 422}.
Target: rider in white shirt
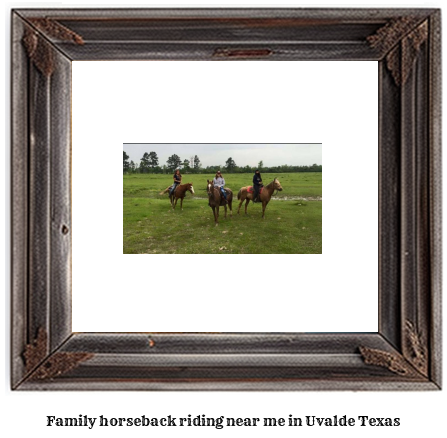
{"x": 219, "y": 182}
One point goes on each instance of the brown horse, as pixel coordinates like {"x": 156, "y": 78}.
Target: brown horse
{"x": 179, "y": 192}
{"x": 216, "y": 200}
{"x": 264, "y": 196}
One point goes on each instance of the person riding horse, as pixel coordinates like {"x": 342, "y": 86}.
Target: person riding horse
{"x": 177, "y": 181}
{"x": 219, "y": 182}
{"x": 257, "y": 184}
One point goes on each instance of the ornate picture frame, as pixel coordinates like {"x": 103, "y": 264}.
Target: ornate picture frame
{"x": 405, "y": 353}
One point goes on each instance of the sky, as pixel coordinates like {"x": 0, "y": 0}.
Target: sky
{"x": 298, "y": 154}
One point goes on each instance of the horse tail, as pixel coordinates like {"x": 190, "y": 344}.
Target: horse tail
{"x": 239, "y": 194}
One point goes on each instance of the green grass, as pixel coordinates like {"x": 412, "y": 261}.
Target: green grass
{"x": 289, "y": 227}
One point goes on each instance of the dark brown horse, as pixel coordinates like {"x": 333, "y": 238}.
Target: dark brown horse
{"x": 216, "y": 200}
{"x": 179, "y": 192}
{"x": 264, "y": 196}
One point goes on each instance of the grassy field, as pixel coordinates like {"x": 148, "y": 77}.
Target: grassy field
{"x": 291, "y": 225}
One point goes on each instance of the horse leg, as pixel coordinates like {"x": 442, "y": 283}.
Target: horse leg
{"x": 175, "y": 203}
{"x": 181, "y": 203}
{"x": 230, "y": 204}
{"x": 215, "y": 216}
{"x": 264, "y": 204}
{"x": 246, "y": 204}
{"x": 225, "y": 211}
{"x": 240, "y": 203}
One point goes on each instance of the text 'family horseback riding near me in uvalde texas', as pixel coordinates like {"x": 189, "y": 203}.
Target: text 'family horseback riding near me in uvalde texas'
{"x": 220, "y": 422}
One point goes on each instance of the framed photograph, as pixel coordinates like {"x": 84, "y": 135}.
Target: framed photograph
{"x": 61, "y": 227}
{"x": 226, "y": 188}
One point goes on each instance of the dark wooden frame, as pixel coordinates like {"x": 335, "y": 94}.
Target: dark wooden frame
{"x": 405, "y": 354}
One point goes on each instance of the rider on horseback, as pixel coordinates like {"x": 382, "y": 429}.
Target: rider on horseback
{"x": 219, "y": 182}
{"x": 177, "y": 181}
{"x": 257, "y": 184}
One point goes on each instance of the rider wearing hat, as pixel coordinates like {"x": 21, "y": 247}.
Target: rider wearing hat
{"x": 219, "y": 182}
{"x": 257, "y": 184}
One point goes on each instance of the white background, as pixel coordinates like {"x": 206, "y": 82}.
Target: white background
{"x": 422, "y": 414}
{"x": 191, "y": 102}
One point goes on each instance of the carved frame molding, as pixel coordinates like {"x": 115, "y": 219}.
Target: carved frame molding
{"x": 406, "y": 352}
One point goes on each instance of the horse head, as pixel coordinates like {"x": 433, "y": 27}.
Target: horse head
{"x": 210, "y": 187}
{"x": 190, "y": 188}
{"x": 277, "y": 185}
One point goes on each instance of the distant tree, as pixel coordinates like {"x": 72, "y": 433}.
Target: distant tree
{"x": 185, "y": 165}
{"x": 157, "y": 169}
{"x": 153, "y": 160}
{"x": 212, "y": 169}
{"x": 246, "y": 169}
{"x": 174, "y": 162}
{"x": 230, "y": 165}
{"x": 132, "y": 167}
{"x": 197, "y": 164}
{"x": 260, "y": 165}
{"x": 125, "y": 162}
{"x": 145, "y": 163}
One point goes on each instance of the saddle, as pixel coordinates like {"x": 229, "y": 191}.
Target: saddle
{"x": 250, "y": 189}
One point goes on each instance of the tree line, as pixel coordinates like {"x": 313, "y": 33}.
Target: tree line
{"x": 149, "y": 163}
